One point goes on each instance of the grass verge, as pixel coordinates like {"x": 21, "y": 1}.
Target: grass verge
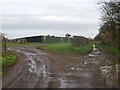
{"x": 113, "y": 50}
{"x": 66, "y": 48}
{"x": 7, "y": 60}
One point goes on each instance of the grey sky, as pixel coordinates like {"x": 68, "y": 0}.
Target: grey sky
{"x": 54, "y": 17}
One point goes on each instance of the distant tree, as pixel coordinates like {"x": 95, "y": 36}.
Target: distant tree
{"x": 79, "y": 41}
{"x": 53, "y": 36}
{"x": 48, "y": 35}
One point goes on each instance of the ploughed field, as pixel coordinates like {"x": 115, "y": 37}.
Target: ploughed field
{"x": 39, "y": 69}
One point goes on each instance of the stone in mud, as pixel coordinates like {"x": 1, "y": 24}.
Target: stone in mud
{"x": 72, "y": 68}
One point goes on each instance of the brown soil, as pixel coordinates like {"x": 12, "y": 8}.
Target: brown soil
{"x": 38, "y": 69}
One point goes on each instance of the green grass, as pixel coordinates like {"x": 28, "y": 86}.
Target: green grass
{"x": 66, "y": 48}
{"x": 1, "y": 73}
{"x": 7, "y": 60}
{"x": 84, "y": 49}
{"x": 113, "y": 50}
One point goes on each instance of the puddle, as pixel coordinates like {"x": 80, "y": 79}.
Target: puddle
{"x": 43, "y": 53}
{"x": 67, "y": 83}
{"x": 85, "y": 85}
{"x": 63, "y": 83}
{"x": 92, "y": 55}
{"x": 85, "y": 62}
{"x": 10, "y": 49}
{"x": 85, "y": 74}
{"x": 95, "y": 52}
{"x": 30, "y": 70}
{"x": 110, "y": 74}
{"x": 96, "y": 62}
{"x": 39, "y": 70}
{"x": 34, "y": 67}
{"x": 18, "y": 50}
{"x": 73, "y": 84}
{"x": 91, "y": 62}
{"x": 118, "y": 67}
{"x": 29, "y": 54}
{"x": 68, "y": 74}
{"x": 90, "y": 69}
{"x": 105, "y": 70}
{"x": 79, "y": 69}
{"x": 91, "y": 59}
{"x": 72, "y": 68}
{"x": 44, "y": 71}
{"x": 58, "y": 74}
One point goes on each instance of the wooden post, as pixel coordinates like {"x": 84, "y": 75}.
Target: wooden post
{"x": 0, "y": 45}
{"x": 4, "y": 45}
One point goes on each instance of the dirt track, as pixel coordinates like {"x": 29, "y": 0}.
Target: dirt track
{"x": 37, "y": 69}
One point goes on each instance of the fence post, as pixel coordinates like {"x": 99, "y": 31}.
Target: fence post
{"x": 4, "y": 44}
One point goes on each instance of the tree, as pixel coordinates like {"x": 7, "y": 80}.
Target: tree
{"x": 109, "y": 33}
{"x": 79, "y": 41}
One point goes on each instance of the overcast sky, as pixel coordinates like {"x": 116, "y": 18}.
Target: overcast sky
{"x": 55, "y": 17}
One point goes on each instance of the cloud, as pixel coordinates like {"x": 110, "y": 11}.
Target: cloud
{"x": 45, "y": 22}
{"x": 50, "y": 16}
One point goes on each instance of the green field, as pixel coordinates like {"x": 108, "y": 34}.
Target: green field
{"x": 66, "y": 48}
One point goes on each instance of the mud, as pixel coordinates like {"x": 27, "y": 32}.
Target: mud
{"x": 38, "y": 69}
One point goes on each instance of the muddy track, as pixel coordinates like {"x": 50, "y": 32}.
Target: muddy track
{"x": 37, "y": 69}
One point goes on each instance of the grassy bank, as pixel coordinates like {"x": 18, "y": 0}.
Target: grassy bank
{"x": 66, "y": 48}
{"x": 7, "y": 60}
{"x": 113, "y": 50}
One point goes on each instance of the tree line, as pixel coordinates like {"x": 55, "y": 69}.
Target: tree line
{"x": 109, "y": 32}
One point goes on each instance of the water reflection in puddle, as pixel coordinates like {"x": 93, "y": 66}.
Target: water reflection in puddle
{"x": 34, "y": 67}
